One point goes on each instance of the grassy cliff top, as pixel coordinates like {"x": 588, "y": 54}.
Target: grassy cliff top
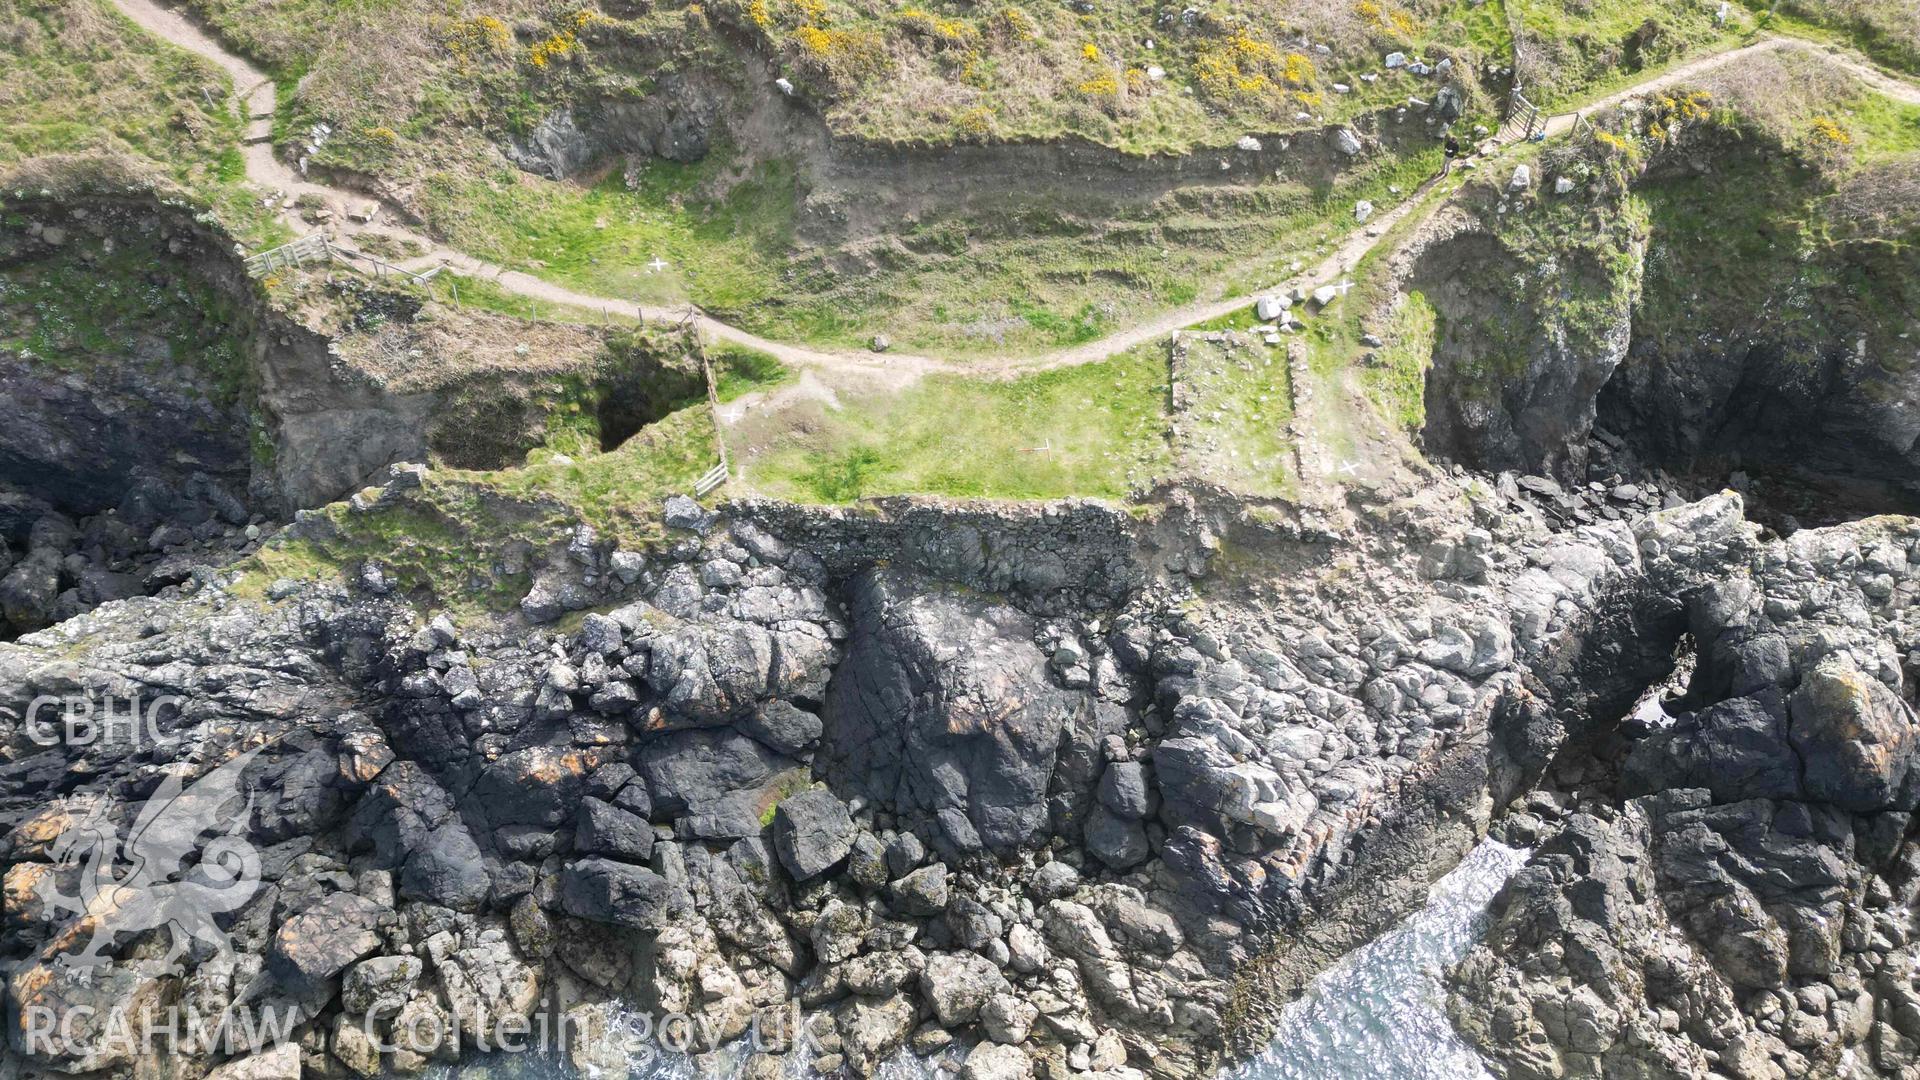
{"x": 81, "y": 82}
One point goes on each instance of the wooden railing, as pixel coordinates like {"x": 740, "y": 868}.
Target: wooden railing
{"x": 1524, "y": 119}
{"x": 713, "y": 478}
{"x": 312, "y": 247}
{"x": 315, "y": 247}
{"x": 722, "y": 472}
{"x": 382, "y": 268}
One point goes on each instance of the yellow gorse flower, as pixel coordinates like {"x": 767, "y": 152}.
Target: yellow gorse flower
{"x": 562, "y": 42}
{"x": 1827, "y": 129}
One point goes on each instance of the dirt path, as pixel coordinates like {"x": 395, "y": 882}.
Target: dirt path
{"x": 257, "y": 96}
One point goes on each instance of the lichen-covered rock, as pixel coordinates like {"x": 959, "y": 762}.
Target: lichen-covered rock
{"x": 381, "y": 986}
{"x": 958, "y": 985}
{"x": 315, "y": 946}
{"x": 922, "y": 892}
{"x": 813, "y": 831}
{"x": 1126, "y": 794}
{"x": 1855, "y": 735}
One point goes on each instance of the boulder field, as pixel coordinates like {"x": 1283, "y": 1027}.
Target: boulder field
{"x": 926, "y": 778}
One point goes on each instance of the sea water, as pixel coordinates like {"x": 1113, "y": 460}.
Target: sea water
{"x": 1379, "y": 1013}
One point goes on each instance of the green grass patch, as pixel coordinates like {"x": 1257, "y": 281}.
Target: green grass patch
{"x": 1096, "y": 430}
{"x": 487, "y": 295}
{"x": 1725, "y": 264}
{"x": 739, "y": 370}
{"x": 1397, "y": 379}
{"x": 1233, "y": 430}
{"x": 469, "y": 540}
{"x": 1576, "y": 50}
{"x": 1881, "y": 127}
{"x": 1886, "y": 30}
{"x": 661, "y": 241}
{"x": 619, "y": 492}
{"x": 449, "y": 546}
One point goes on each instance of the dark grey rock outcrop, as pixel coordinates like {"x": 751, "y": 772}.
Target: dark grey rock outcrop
{"x": 1745, "y": 911}
{"x": 944, "y": 712}
{"x": 1058, "y": 829}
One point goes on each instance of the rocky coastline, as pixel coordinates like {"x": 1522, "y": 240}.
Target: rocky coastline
{"x": 930, "y": 782}
{"x": 1731, "y": 892}
{"x": 1075, "y": 790}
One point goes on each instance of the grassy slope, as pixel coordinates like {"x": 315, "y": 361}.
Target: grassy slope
{"x": 1575, "y": 50}
{"x": 79, "y": 308}
{"x": 1887, "y": 30}
{"x": 1784, "y": 268}
{"x": 1096, "y": 430}
{"x": 1398, "y": 377}
{"x": 415, "y": 97}
{"x": 943, "y": 71}
{"x": 469, "y": 540}
{"x": 950, "y": 70}
{"x": 80, "y": 79}
{"x": 723, "y": 253}
{"x": 937, "y": 71}
{"x": 1057, "y": 283}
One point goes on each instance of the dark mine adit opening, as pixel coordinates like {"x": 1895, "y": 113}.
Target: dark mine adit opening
{"x": 642, "y": 382}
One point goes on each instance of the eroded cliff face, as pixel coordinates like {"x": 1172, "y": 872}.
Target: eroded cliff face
{"x": 1527, "y": 337}
{"x": 1725, "y": 890}
{"x": 1739, "y": 897}
{"x": 159, "y": 358}
{"x": 929, "y": 771}
{"x": 1718, "y": 312}
{"x": 168, "y": 413}
{"x": 116, "y": 367}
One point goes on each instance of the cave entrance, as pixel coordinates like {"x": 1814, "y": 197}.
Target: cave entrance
{"x": 643, "y": 382}
{"x": 1779, "y": 428}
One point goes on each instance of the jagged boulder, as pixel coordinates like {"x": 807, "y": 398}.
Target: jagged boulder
{"x": 1736, "y": 749}
{"x": 959, "y": 984}
{"x": 1742, "y": 912}
{"x": 718, "y": 780}
{"x": 944, "y": 712}
{"x": 812, "y": 831}
{"x": 620, "y": 894}
{"x": 1855, "y": 735}
{"x": 606, "y": 829}
{"x": 412, "y": 823}
{"x": 315, "y": 946}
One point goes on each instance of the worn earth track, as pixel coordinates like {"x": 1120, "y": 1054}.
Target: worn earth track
{"x": 258, "y": 96}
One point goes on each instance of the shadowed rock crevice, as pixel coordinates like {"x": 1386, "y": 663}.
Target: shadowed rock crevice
{"x": 639, "y": 383}
{"x": 164, "y": 360}
{"x": 1817, "y": 435}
